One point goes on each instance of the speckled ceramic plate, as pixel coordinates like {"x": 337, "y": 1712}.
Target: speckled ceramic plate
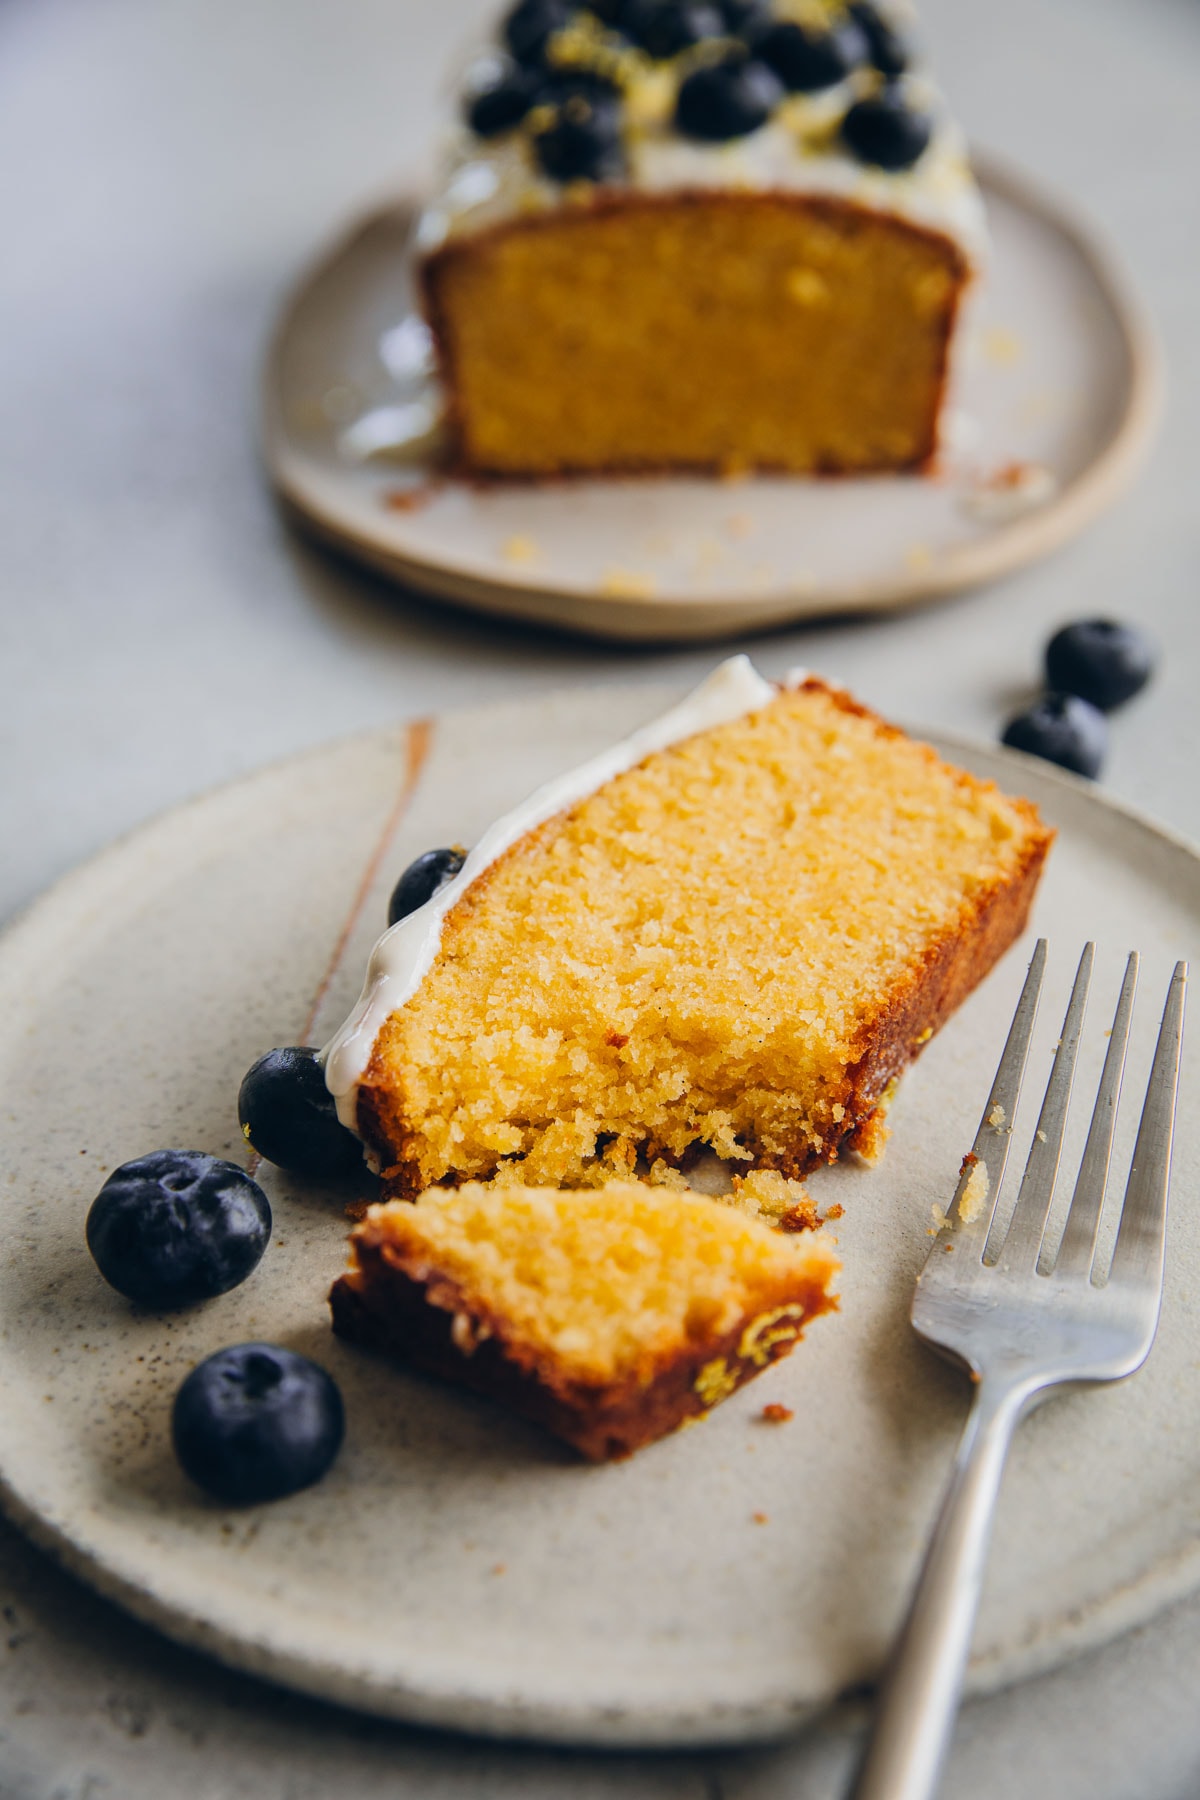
{"x": 1059, "y": 383}
{"x": 457, "y": 1566}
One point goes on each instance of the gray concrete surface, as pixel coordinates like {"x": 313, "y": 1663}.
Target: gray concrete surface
{"x": 167, "y": 169}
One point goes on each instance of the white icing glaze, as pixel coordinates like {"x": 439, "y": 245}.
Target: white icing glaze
{"x": 404, "y": 955}
{"x": 487, "y": 182}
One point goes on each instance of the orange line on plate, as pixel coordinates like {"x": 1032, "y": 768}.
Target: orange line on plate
{"x": 417, "y": 740}
{"x": 418, "y": 737}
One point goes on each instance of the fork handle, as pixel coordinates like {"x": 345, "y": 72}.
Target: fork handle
{"x": 921, "y": 1690}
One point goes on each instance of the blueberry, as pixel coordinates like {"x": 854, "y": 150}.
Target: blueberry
{"x": 886, "y": 48}
{"x": 886, "y": 131}
{"x": 530, "y": 26}
{"x": 583, "y": 143}
{"x": 665, "y": 27}
{"x": 805, "y": 60}
{"x": 421, "y": 881}
{"x": 502, "y": 105}
{"x": 746, "y": 18}
{"x": 177, "y": 1226}
{"x": 255, "y": 1423}
{"x": 1101, "y": 661}
{"x": 727, "y": 100}
{"x": 1062, "y": 729}
{"x": 288, "y": 1115}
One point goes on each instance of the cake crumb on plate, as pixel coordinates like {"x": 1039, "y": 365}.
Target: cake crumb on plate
{"x": 628, "y": 584}
{"x": 520, "y": 548}
{"x": 1001, "y": 346}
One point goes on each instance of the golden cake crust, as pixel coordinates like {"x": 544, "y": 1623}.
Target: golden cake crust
{"x": 913, "y": 447}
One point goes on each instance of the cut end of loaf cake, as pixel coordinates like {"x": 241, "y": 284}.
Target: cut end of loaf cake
{"x": 736, "y": 945}
{"x": 696, "y": 331}
{"x": 611, "y": 1316}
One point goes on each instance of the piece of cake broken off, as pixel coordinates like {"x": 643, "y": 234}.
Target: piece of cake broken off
{"x": 738, "y": 944}
{"x": 612, "y": 1317}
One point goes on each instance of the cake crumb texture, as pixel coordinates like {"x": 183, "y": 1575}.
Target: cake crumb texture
{"x": 610, "y": 1315}
{"x": 738, "y": 944}
{"x": 711, "y": 331}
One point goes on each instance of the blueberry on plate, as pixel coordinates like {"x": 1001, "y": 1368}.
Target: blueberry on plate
{"x": 503, "y": 104}
{"x": 727, "y": 100}
{"x": 806, "y": 61}
{"x": 1062, "y": 729}
{"x": 1100, "y": 660}
{"x": 176, "y": 1227}
{"x": 886, "y": 48}
{"x": 530, "y": 26}
{"x": 288, "y": 1115}
{"x": 665, "y": 27}
{"x": 886, "y": 131}
{"x": 255, "y": 1422}
{"x": 422, "y": 879}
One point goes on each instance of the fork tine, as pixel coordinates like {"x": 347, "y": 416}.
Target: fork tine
{"x": 1078, "y": 1245}
{"x": 1138, "y": 1257}
{"x": 992, "y": 1141}
{"x": 1023, "y": 1239}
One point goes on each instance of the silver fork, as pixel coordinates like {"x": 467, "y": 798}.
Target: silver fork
{"x": 1024, "y": 1328}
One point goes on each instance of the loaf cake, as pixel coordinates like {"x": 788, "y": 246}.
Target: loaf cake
{"x": 611, "y": 1316}
{"x": 707, "y": 235}
{"x": 730, "y": 933}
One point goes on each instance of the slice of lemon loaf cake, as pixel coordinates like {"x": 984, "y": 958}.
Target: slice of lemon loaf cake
{"x": 681, "y": 235}
{"x": 732, "y": 931}
{"x": 610, "y": 1316}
